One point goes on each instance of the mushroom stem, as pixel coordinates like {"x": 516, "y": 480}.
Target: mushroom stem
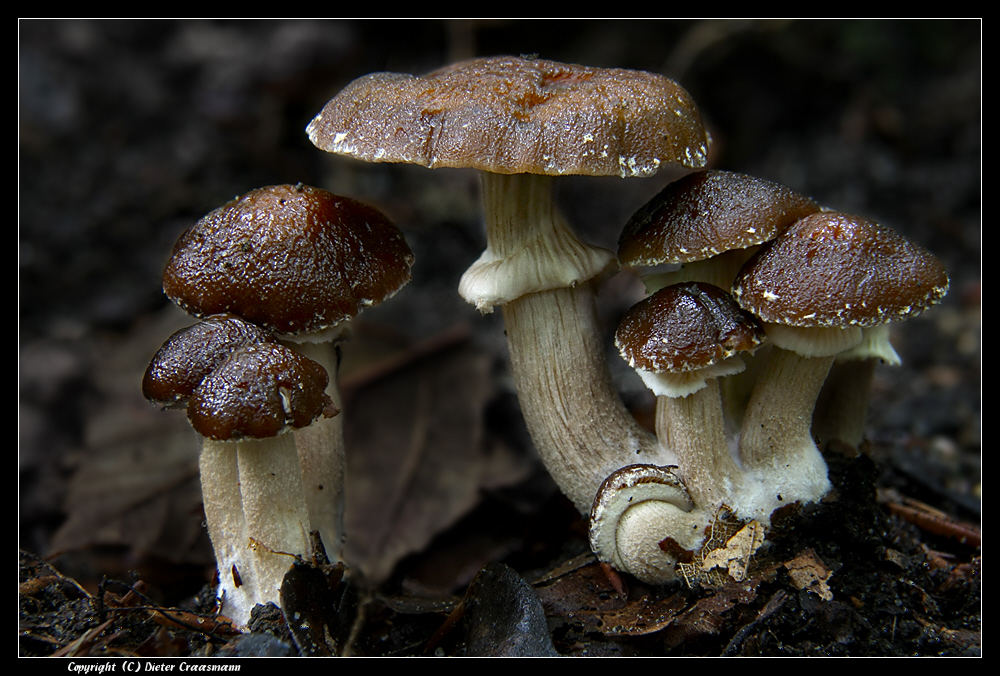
{"x": 274, "y": 508}
{"x": 775, "y": 442}
{"x": 220, "y": 486}
{"x": 322, "y": 459}
{"x": 536, "y": 267}
{"x": 694, "y": 429}
{"x": 577, "y": 421}
{"x": 530, "y": 248}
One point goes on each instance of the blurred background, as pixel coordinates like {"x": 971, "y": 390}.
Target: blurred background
{"x": 132, "y": 130}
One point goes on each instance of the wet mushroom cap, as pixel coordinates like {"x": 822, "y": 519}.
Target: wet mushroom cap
{"x": 189, "y": 355}
{"x": 685, "y": 327}
{"x": 292, "y": 259}
{"x": 260, "y": 391}
{"x": 708, "y": 213}
{"x": 833, "y": 270}
{"x": 510, "y": 115}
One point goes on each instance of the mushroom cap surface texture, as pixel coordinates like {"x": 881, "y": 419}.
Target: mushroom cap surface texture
{"x": 510, "y": 115}
{"x": 835, "y": 270}
{"x": 292, "y": 259}
{"x": 707, "y": 213}
{"x": 189, "y": 355}
{"x": 686, "y": 327}
{"x": 260, "y": 391}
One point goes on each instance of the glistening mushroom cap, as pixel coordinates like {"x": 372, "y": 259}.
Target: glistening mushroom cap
{"x": 510, "y": 115}
{"x": 685, "y": 327}
{"x": 707, "y": 213}
{"x": 293, "y": 259}
{"x": 189, "y": 355}
{"x": 260, "y": 391}
{"x": 835, "y": 270}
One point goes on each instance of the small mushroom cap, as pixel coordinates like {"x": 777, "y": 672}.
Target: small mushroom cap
{"x": 260, "y": 391}
{"x": 510, "y": 115}
{"x": 834, "y": 270}
{"x": 686, "y": 327}
{"x": 707, "y": 213}
{"x": 293, "y": 259}
{"x": 189, "y": 355}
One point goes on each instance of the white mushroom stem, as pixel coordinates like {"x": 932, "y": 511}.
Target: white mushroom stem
{"x": 775, "y": 442}
{"x": 693, "y": 427}
{"x": 842, "y": 407}
{"x": 577, "y": 421}
{"x": 322, "y": 459}
{"x": 540, "y": 272}
{"x": 253, "y": 495}
{"x": 274, "y": 508}
{"x": 220, "y": 486}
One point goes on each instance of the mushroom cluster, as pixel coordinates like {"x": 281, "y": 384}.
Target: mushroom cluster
{"x": 290, "y": 265}
{"x": 811, "y": 288}
{"x": 740, "y": 446}
{"x": 523, "y": 122}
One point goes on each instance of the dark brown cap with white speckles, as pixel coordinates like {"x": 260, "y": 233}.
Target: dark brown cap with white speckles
{"x": 707, "y": 213}
{"x": 834, "y": 270}
{"x": 685, "y": 327}
{"x": 293, "y": 259}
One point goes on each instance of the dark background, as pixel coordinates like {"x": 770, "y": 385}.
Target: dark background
{"x": 132, "y": 130}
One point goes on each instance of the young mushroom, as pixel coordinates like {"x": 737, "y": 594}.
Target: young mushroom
{"x": 681, "y": 341}
{"x": 710, "y": 223}
{"x": 522, "y": 122}
{"x": 643, "y": 523}
{"x": 243, "y": 390}
{"x": 301, "y": 262}
{"x": 816, "y": 287}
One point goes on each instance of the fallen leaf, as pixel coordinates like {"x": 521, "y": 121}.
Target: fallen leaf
{"x": 415, "y": 454}
{"x": 809, "y": 573}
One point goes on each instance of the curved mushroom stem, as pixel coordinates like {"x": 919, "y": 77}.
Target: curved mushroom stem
{"x": 536, "y": 267}
{"x": 576, "y": 419}
{"x": 643, "y": 523}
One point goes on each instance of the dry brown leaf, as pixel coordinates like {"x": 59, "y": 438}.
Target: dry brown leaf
{"x": 735, "y": 556}
{"x": 143, "y": 494}
{"x": 416, "y": 458}
{"x": 808, "y": 572}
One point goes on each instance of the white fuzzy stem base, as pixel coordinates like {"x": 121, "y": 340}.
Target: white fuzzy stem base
{"x": 778, "y": 452}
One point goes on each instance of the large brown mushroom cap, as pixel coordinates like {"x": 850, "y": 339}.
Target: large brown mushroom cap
{"x": 292, "y": 259}
{"x": 707, "y": 213}
{"x": 510, "y": 115}
{"x": 834, "y": 270}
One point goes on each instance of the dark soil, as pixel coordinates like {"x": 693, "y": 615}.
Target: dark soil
{"x": 130, "y": 131}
